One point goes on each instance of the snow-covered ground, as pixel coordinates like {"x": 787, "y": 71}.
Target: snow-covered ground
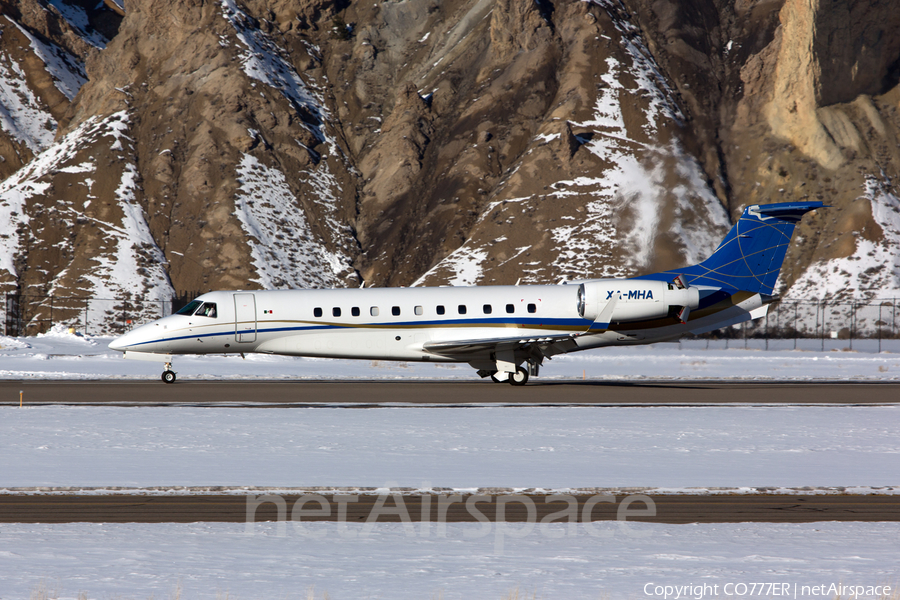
{"x": 462, "y": 448}
{"x": 219, "y": 560}
{"x": 60, "y": 355}
{"x": 826, "y": 449}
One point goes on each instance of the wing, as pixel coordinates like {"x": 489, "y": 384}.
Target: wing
{"x": 471, "y": 349}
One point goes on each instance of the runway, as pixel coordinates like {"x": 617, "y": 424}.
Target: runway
{"x": 360, "y": 394}
{"x": 673, "y": 509}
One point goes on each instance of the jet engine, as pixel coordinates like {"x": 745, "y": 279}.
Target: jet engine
{"x": 619, "y": 300}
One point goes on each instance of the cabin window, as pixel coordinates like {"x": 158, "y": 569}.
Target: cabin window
{"x": 440, "y": 309}
{"x": 487, "y": 309}
{"x": 510, "y": 308}
{"x": 354, "y": 311}
{"x": 189, "y": 308}
{"x": 462, "y": 309}
{"x": 373, "y": 311}
{"x": 532, "y": 308}
{"x": 317, "y": 312}
{"x": 336, "y": 311}
{"x": 419, "y": 311}
{"x": 395, "y": 311}
{"x": 207, "y": 310}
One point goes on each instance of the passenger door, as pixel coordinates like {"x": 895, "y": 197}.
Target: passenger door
{"x": 244, "y": 317}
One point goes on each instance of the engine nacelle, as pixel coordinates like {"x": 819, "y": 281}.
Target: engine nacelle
{"x": 636, "y": 299}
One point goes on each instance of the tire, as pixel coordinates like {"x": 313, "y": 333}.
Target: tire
{"x": 520, "y": 377}
{"x": 168, "y": 376}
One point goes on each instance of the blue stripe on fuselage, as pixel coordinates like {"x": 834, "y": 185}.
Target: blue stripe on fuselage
{"x": 575, "y": 324}
{"x": 579, "y": 325}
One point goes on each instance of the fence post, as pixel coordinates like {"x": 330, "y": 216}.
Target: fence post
{"x": 51, "y": 312}
{"x": 852, "y": 322}
{"x": 796, "y": 333}
{"x": 767, "y": 330}
{"x": 823, "y": 326}
{"x": 880, "y": 325}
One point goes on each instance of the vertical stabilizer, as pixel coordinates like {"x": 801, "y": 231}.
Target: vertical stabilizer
{"x": 750, "y": 256}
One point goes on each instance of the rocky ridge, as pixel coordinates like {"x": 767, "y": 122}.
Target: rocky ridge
{"x": 172, "y": 146}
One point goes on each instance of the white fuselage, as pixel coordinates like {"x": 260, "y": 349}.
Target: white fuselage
{"x": 375, "y": 323}
{"x": 397, "y": 323}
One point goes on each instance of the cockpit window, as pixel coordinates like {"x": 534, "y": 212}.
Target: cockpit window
{"x": 189, "y": 308}
{"x": 200, "y": 309}
{"x": 207, "y": 310}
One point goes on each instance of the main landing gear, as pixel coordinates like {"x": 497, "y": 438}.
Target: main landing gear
{"x": 168, "y": 375}
{"x": 520, "y": 377}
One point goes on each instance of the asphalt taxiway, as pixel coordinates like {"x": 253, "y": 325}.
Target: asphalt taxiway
{"x": 368, "y": 393}
{"x": 724, "y": 508}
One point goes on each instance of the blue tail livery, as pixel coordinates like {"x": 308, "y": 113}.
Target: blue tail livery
{"x": 750, "y": 257}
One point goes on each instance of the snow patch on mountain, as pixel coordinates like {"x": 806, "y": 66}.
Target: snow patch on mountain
{"x": 77, "y": 17}
{"x": 12, "y": 218}
{"x": 128, "y": 260}
{"x": 623, "y": 206}
{"x": 131, "y": 263}
{"x": 22, "y": 114}
{"x": 32, "y": 180}
{"x": 67, "y": 70}
{"x": 646, "y": 73}
{"x": 873, "y": 270}
{"x": 264, "y": 61}
{"x": 462, "y": 268}
{"x": 637, "y": 181}
{"x": 699, "y": 237}
{"x": 285, "y": 252}
{"x": 134, "y": 267}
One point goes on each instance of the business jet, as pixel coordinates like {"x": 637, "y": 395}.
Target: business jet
{"x": 504, "y": 332}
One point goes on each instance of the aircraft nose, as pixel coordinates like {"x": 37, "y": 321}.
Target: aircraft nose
{"x": 122, "y": 342}
{"x": 118, "y": 344}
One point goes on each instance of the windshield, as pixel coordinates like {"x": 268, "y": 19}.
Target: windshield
{"x": 189, "y": 308}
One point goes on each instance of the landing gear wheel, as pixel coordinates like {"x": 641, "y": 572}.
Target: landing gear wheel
{"x": 498, "y": 377}
{"x": 520, "y": 377}
{"x": 168, "y": 376}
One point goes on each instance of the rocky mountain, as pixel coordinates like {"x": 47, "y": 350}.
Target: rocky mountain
{"x": 170, "y": 146}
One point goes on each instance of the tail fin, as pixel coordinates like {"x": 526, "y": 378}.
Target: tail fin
{"x": 750, "y": 256}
